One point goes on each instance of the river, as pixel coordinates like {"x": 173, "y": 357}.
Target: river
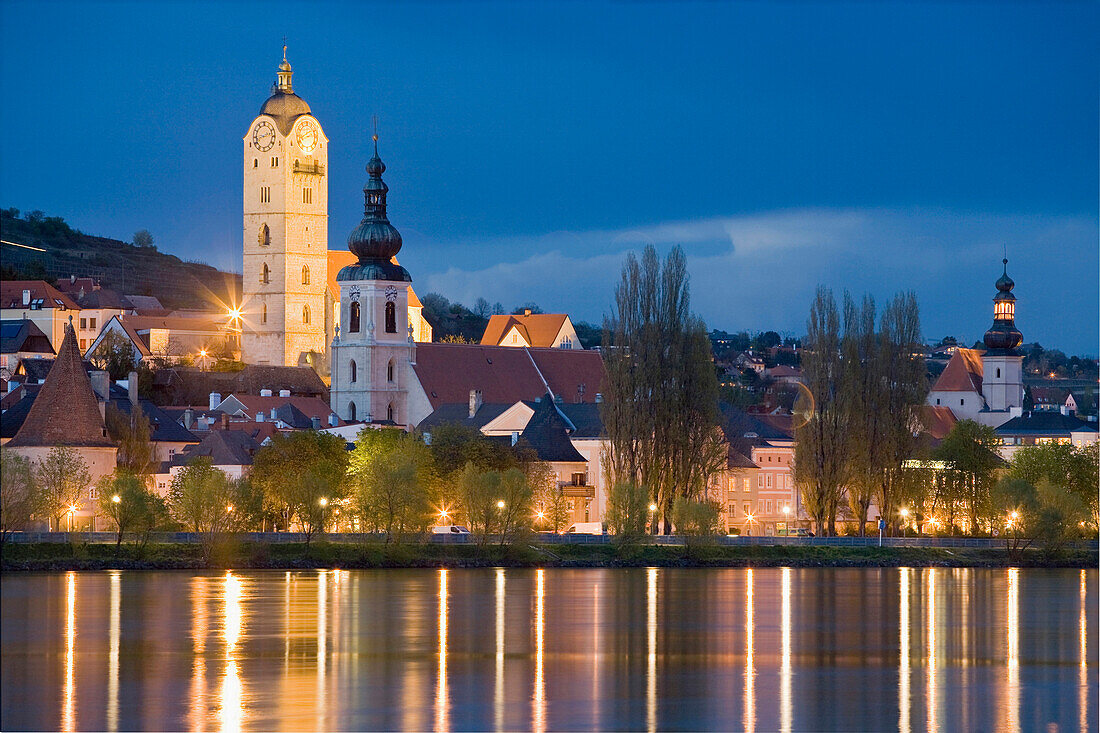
{"x": 556, "y": 649}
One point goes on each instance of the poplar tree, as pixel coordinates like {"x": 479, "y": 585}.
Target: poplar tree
{"x": 660, "y": 409}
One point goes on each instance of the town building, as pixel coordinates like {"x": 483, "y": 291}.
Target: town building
{"x": 163, "y": 340}
{"x": 20, "y": 339}
{"x": 543, "y": 330}
{"x": 43, "y": 304}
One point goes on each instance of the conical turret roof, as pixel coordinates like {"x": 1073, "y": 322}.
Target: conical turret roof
{"x": 66, "y": 410}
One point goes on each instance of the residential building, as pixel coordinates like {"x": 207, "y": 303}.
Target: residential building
{"x": 543, "y": 330}
{"x": 43, "y": 304}
{"x": 20, "y": 339}
{"x": 172, "y": 339}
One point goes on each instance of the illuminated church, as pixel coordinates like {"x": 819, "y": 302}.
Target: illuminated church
{"x": 290, "y": 312}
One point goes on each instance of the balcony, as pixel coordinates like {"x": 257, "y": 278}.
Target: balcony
{"x": 309, "y": 167}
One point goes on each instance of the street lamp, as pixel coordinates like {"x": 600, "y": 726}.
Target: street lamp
{"x": 652, "y": 507}
{"x": 323, "y": 502}
{"x": 116, "y": 498}
{"x": 500, "y": 504}
{"x": 749, "y": 519}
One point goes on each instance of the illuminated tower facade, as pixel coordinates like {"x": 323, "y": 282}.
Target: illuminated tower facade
{"x": 1002, "y": 366}
{"x": 285, "y": 231}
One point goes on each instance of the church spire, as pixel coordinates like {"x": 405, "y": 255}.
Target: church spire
{"x": 1003, "y": 336}
{"x": 284, "y": 74}
{"x": 375, "y": 238}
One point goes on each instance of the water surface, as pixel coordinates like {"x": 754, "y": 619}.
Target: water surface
{"x": 556, "y": 649}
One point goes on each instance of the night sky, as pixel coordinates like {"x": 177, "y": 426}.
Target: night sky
{"x": 869, "y": 146}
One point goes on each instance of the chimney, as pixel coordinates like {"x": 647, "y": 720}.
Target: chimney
{"x": 265, "y": 393}
{"x": 1065, "y": 409}
{"x": 599, "y": 398}
{"x": 284, "y": 393}
{"x": 333, "y": 419}
{"x": 272, "y": 414}
{"x": 315, "y": 423}
{"x": 1015, "y": 412}
{"x": 515, "y": 437}
{"x": 260, "y": 416}
{"x": 132, "y": 386}
{"x": 188, "y": 418}
{"x": 215, "y": 400}
{"x": 427, "y": 438}
{"x": 224, "y": 425}
{"x": 526, "y": 312}
{"x": 475, "y": 401}
{"x": 26, "y": 297}
{"x": 101, "y": 384}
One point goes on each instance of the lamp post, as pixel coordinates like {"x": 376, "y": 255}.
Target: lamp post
{"x": 904, "y": 518}
{"x": 652, "y": 517}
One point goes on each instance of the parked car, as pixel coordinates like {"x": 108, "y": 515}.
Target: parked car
{"x": 450, "y": 529}
{"x": 585, "y": 528}
{"x": 799, "y": 532}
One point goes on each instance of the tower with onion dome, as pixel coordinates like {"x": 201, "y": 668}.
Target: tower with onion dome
{"x": 285, "y": 175}
{"x": 373, "y": 351}
{"x": 1002, "y": 365}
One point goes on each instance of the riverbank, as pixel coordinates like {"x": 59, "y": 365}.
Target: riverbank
{"x": 46, "y": 557}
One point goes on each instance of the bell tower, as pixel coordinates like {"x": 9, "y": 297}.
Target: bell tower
{"x": 285, "y": 231}
{"x": 1002, "y": 365}
{"x": 373, "y": 352}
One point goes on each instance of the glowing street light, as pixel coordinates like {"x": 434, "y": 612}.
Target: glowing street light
{"x": 116, "y": 498}
{"x": 787, "y": 509}
{"x": 500, "y": 504}
{"x": 905, "y": 512}
{"x": 323, "y": 502}
{"x": 229, "y": 508}
{"x": 652, "y": 507}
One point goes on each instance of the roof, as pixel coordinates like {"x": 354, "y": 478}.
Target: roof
{"x": 1050, "y": 395}
{"x": 162, "y": 426}
{"x": 783, "y": 370}
{"x": 538, "y": 329}
{"x": 454, "y": 413}
{"x": 11, "y": 295}
{"x": 937, "y": 420}
{"x": 65, "y": 411}
{"x": 222, "y": 447}
{"x": 189, "y": 386}
{"x": 341, "y": 258}
{"x": 1045, "y": 423}
{"x": 202, "y": 323}
{"x": 284, "y": 107}
{"x": 22, "y": 335}
{"x": 146, "y": 305}
{"x": 963, "y": 373}
{"x": 102, "y": 298}
{"x": 744, "y": 431}
{"x": 548, "y": 433}
{"x": 296, "y": 411}
{"x": 15, "y": 412}
{"x": 506, "y": 375}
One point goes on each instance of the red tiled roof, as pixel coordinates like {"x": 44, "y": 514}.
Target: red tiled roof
{"x": 937, "y": 420}
{"x": 66, "y": 410}
{"x": 11, "y": 294}
{"x": 963, "y": 373}
{"x": 506, "y": 374}
{"x": 539, "y": 329}
{"x": 310, "y": 406}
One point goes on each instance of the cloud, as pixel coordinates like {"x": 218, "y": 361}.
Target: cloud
{"x": 759, "y": 271}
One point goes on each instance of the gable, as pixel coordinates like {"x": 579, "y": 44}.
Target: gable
{"x": 963, "y": 373}
{"x": 512, "y": 420}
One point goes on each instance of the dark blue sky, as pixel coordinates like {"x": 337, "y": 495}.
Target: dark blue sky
{"x": 867, "y": 146}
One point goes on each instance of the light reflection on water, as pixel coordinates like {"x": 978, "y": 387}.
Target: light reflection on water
{"x": 653, "y": 649}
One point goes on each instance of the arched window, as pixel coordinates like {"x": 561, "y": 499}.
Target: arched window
{"x": 389, "y": 372}
{"x": 264, "y": 236}
{"x": 354, "y": 371}
{"x": 353, "y": 317}
{"x": 391, "y": 317}
{"x": 351, "y": 411}
{"x": 305, "y": 274}
{"x": 389, "y": 413}
{"x": 263, "y": 313}
{"x": 305, "y": 314}
{"x": 265, "y": 276}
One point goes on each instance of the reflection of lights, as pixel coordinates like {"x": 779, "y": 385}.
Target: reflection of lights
{"x": 322, "y": 645}
{"x": 1013, "y": 721}
{"x": 785, "y": 706}
{"x": 931, "y": 702}
{"x": 231, "y": 713}
{"x": 651, "y": 650}
{"x": 197, "y": 714}
{"x": 113, "y": 648}
{"x": 1083, "y": 678}
{"x": 498, "y": 682}
{"x": 903, "y": 657}
{"x": 68, "y": 722}
{"x": 748, "y": 712}
{"x": 538, "y": 714}
{"x": 442, "y": 721}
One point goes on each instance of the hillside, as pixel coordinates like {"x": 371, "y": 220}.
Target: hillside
{"x": 118, "y": 265}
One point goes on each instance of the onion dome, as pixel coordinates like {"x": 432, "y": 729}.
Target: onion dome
{"x": 1003, "y": 337}
{"x": 284, "y": 105}
{"x": 375, "y": 241}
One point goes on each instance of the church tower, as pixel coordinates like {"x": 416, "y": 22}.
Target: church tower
{"x": 285, "y": 231}
{"x": 374, "y": 349}
{"x": 1002, "y": 366}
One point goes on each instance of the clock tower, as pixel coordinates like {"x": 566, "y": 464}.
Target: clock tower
{"x": 285, "y": 231}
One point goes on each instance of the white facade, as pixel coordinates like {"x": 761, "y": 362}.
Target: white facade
{"x": 1003, "y": 382}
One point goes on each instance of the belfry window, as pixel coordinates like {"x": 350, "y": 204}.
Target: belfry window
{"x": 391, "y": 318}
{"x": 265, "y": 275}
{"x": 263, "y": 313}
{"x": 265, "y": 194}
{"x": 389, "y": 413}
{"x": 353, "y": 317}
{"x": 307, "y": 195}
{"x": 255, "y": 162}
{"x": 354, "y": 371}
{"x": 264, "y": 236}
{"x": 305, "y": 274}
{"x": 389, "y": 372}
{"x": 305, "y": 314}
{"x": 1004, "y": 310}
{"x": 351, "y": 411}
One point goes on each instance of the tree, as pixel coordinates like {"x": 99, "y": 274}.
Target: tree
{"x": 515, "y": 514}
{"x": 453, "y": 446}
{"x": 201, "y": 498}
{"x": 477, "y": 494}
{"x": 115, "y": 355}
{"x": 519, "y": 310}
{"x": 136, "y": 454}
{"x": 660, "y": 406}
{"x": 482, "y": 309}
{"x": 627, "y": 511}
{"x": 970, "y": 451}
{"x": 63, "y": 476}
{"x": 1047, "y": 512}
{"x": 1073, "y": 467}
{"x": 304, "y": 473}
{"x": 125, "y": 498}
{"x": 20, "y": 493}
{"x": 392, "y": 485}
{"x": 821, "y": 465}
{"x": 142, "y": 238}
{"x": 697, "y": 520}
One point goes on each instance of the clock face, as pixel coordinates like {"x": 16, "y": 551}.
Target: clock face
{"x": 307, "y": 136}
{"x": 263, "y": 137}
{"x": 391, "y": 293}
